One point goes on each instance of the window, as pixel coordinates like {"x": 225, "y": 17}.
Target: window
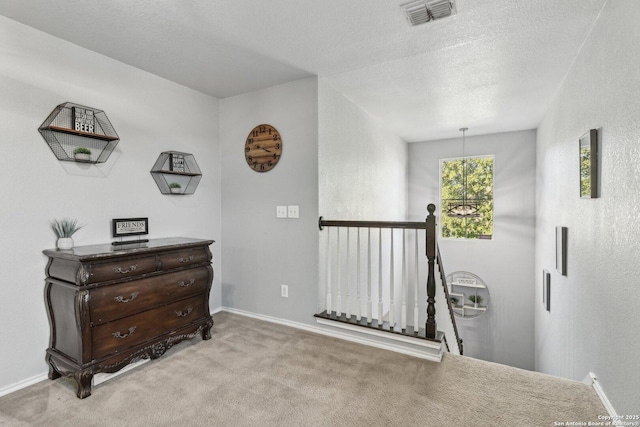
{"x": 466, "y": 214}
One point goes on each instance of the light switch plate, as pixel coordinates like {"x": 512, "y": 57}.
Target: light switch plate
{"x": 293, "y": 211}
{"x": 281, "y": 211}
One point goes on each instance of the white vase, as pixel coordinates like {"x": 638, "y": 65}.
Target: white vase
{"x": 83, "y": 157}
{"x": 65, "y": 243}
{"x": 176, "y": 190}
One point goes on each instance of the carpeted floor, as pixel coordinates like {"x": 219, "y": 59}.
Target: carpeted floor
{"x": 254, "y": 373}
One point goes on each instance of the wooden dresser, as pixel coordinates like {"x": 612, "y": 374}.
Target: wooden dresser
{"x": 109, "y": 306}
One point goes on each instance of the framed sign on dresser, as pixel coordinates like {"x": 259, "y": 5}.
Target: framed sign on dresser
{"x": 110, "y": 306}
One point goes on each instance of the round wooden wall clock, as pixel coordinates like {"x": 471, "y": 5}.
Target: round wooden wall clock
{"x": 263, "y": 148}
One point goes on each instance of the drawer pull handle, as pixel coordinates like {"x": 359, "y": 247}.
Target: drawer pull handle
{"x": 186, "y": 313}
{"x": 184, "y": 284}
{"x": 187, "y": 259}
{"x": 128, "y": 270}
{"x": 119, "y": 335}
{"x": 120, "y": 298}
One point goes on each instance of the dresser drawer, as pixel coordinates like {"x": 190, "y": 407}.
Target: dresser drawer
{"x": 127, "y": 332}
{"x": 116, "y": 301}
{"x": 122, "y": 269}
{"x": 184, "y": 258}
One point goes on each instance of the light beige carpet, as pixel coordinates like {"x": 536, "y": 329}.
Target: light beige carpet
{"x": 254, "y": 373}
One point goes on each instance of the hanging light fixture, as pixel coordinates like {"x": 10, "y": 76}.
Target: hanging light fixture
{"x": 464, "y": 207}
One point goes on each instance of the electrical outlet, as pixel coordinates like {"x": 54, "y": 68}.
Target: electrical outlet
{"x": 284, "y": 291}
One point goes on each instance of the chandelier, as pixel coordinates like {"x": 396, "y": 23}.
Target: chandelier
{"x": 464, "y": 207}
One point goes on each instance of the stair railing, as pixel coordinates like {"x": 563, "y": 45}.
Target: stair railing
{"x": 446, "y": 294}
{"x": 344, "y": 294}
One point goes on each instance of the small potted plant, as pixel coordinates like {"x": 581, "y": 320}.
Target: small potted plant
{"x": 64, "y": 229}
{"x": 475, "y": 299}
{"x": 454, "y": 300}
{"x": 82, "y": 154}
{"x": 174, "y": 187}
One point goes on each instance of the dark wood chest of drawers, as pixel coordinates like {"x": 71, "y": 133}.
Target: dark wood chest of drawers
{"x": 111, "y": 306}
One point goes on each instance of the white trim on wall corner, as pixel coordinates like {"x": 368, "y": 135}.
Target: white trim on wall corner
{"x": 592, "y": 380}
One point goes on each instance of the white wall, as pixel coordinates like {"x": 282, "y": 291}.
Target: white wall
{"x": 261, "y": 252}
{"x": 363, "y": 167}
{"x": 593, "y": 324}
{"x": 150, "y": 114}
{"x": 504, "y": 334}
{"x": 363, "y": 173}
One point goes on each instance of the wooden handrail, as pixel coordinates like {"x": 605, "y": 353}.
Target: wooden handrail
{"x": 372, "y": 224}
{"x": 446, "y": 295}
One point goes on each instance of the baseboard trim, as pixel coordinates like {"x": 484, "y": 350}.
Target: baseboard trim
{"x": 338, "y": 334}
{"x": 24, "y": 383}
{"x": 592, "y": 380}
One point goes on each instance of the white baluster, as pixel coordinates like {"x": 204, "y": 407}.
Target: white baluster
{"x": 329, "y": 309}
{"x": 359, "y": 307}
{"x": 392, "y": 319}
{"x": 369, "y": 302}
{"x": 416, "y": 310}
{"x": 348, "y": 277}
{"x": 380, "y": 312}
{"x": 403, "y": 319}
{"x": 339, "y": 296}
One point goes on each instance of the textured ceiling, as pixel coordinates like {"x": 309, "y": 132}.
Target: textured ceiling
{"x": 493, "y": 67}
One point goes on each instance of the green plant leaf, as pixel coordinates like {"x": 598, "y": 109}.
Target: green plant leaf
{"x": 65, "y": 227}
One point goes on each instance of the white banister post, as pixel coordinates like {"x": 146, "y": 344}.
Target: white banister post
{"x": 339, "y": 296}
{"x": 416, "y": 310}
{"x": 348, "y": 310}
{"x": 380, "y": 312}
{"x": 369, "y": 303}
{"x": 358, "y": 299}
{"x": 328, "y": 307}
{"x": 403, "y": 319}
{"x": 392, "y": 319}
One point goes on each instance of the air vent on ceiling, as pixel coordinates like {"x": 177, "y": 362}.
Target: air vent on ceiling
{"x": 421, "y": 11}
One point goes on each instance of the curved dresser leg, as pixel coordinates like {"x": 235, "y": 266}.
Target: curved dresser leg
{"x": 206, "y": 331}
{"x": 53, "y": 372}
{"x": 83, "y": 382}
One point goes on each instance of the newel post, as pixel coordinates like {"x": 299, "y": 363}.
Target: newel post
{"x": 431, "y": 278}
